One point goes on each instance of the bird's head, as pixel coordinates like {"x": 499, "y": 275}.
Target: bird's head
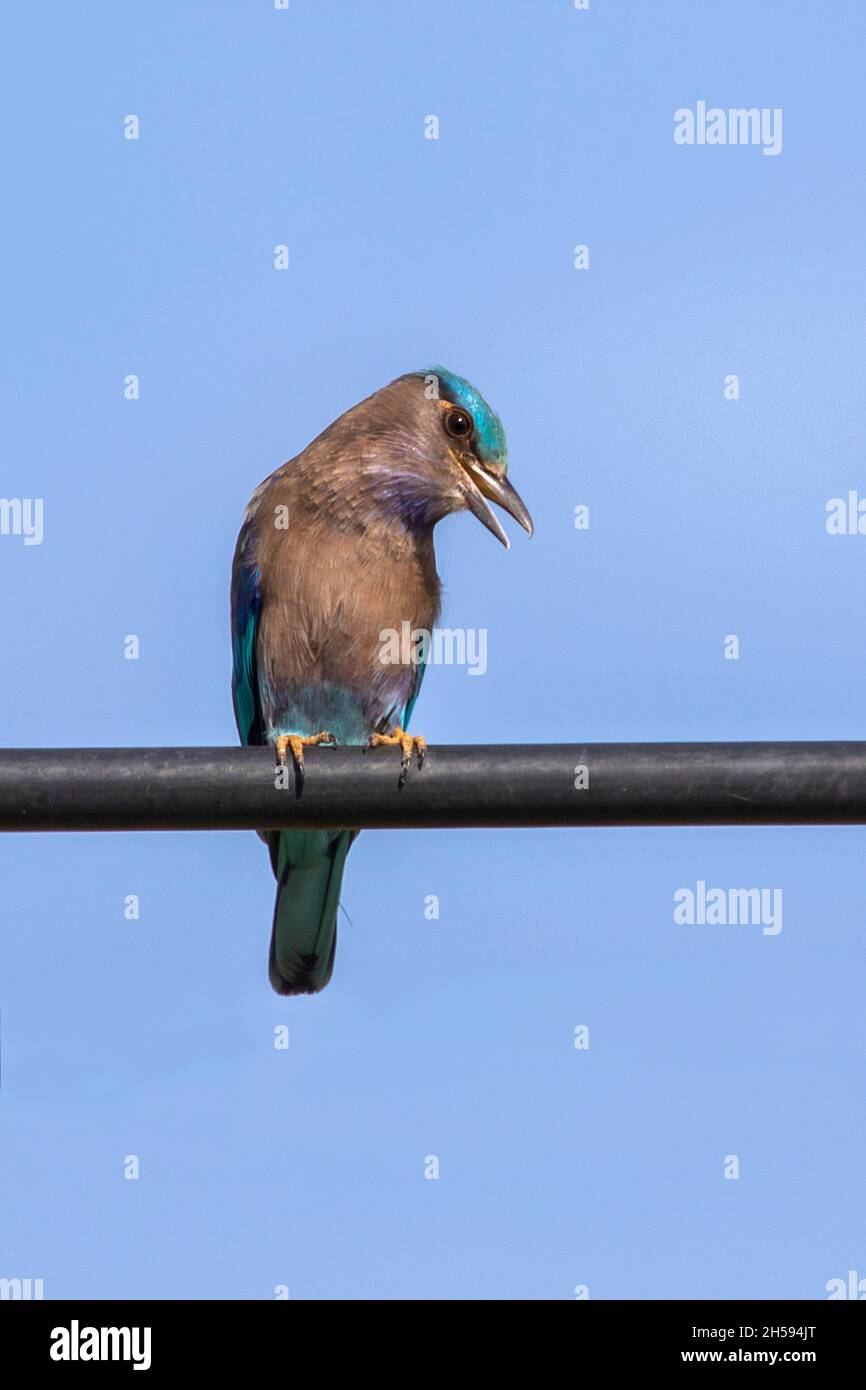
{"x": 466, "y": 444}
{"x": 419, "y": 449}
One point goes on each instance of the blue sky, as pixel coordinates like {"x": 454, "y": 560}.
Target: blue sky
{"x": 558, "y": 1167}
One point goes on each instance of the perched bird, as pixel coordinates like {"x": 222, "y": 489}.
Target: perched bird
{"x": 337, "y": 546}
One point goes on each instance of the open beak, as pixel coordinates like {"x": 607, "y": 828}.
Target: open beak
{"x": 487, "y": 483}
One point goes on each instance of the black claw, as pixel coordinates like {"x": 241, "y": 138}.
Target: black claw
{"x": 300, "y": 773}
{"x": 404, "y": 772}
{"x": 422, "y": 754}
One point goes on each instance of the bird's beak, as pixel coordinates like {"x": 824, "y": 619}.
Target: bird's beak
{"x": 488, "y": 483}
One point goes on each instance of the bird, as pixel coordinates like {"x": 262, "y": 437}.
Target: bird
{"x": 335, "y": 548}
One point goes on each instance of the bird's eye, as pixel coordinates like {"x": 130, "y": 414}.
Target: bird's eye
{"x": 458, "y": 424}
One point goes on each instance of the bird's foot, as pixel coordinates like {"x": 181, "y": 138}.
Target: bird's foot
{"x": 297, "y": 744}
{"x": 407, "y": 743}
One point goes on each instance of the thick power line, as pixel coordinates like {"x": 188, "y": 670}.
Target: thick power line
{"x": 485, "y": 785}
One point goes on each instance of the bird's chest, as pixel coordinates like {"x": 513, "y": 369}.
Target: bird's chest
{"x": 333, "y": 638}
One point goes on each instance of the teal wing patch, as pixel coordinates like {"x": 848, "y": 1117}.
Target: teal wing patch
{"x": 406, "y": 714}
{"x": 246, "y": 607}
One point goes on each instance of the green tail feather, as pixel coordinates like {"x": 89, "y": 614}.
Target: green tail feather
{"x": 308, "y": 865}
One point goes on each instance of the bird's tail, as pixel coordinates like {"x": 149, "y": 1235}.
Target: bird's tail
{"x": 308, "y": 866}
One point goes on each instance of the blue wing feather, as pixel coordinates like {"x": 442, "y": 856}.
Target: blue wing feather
{"x": 246, "y": 607}
{"x": 406, "y": 713}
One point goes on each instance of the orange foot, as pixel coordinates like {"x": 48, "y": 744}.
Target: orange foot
{"x": 407, "y": 743}
{"x": 297, "y": 745}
